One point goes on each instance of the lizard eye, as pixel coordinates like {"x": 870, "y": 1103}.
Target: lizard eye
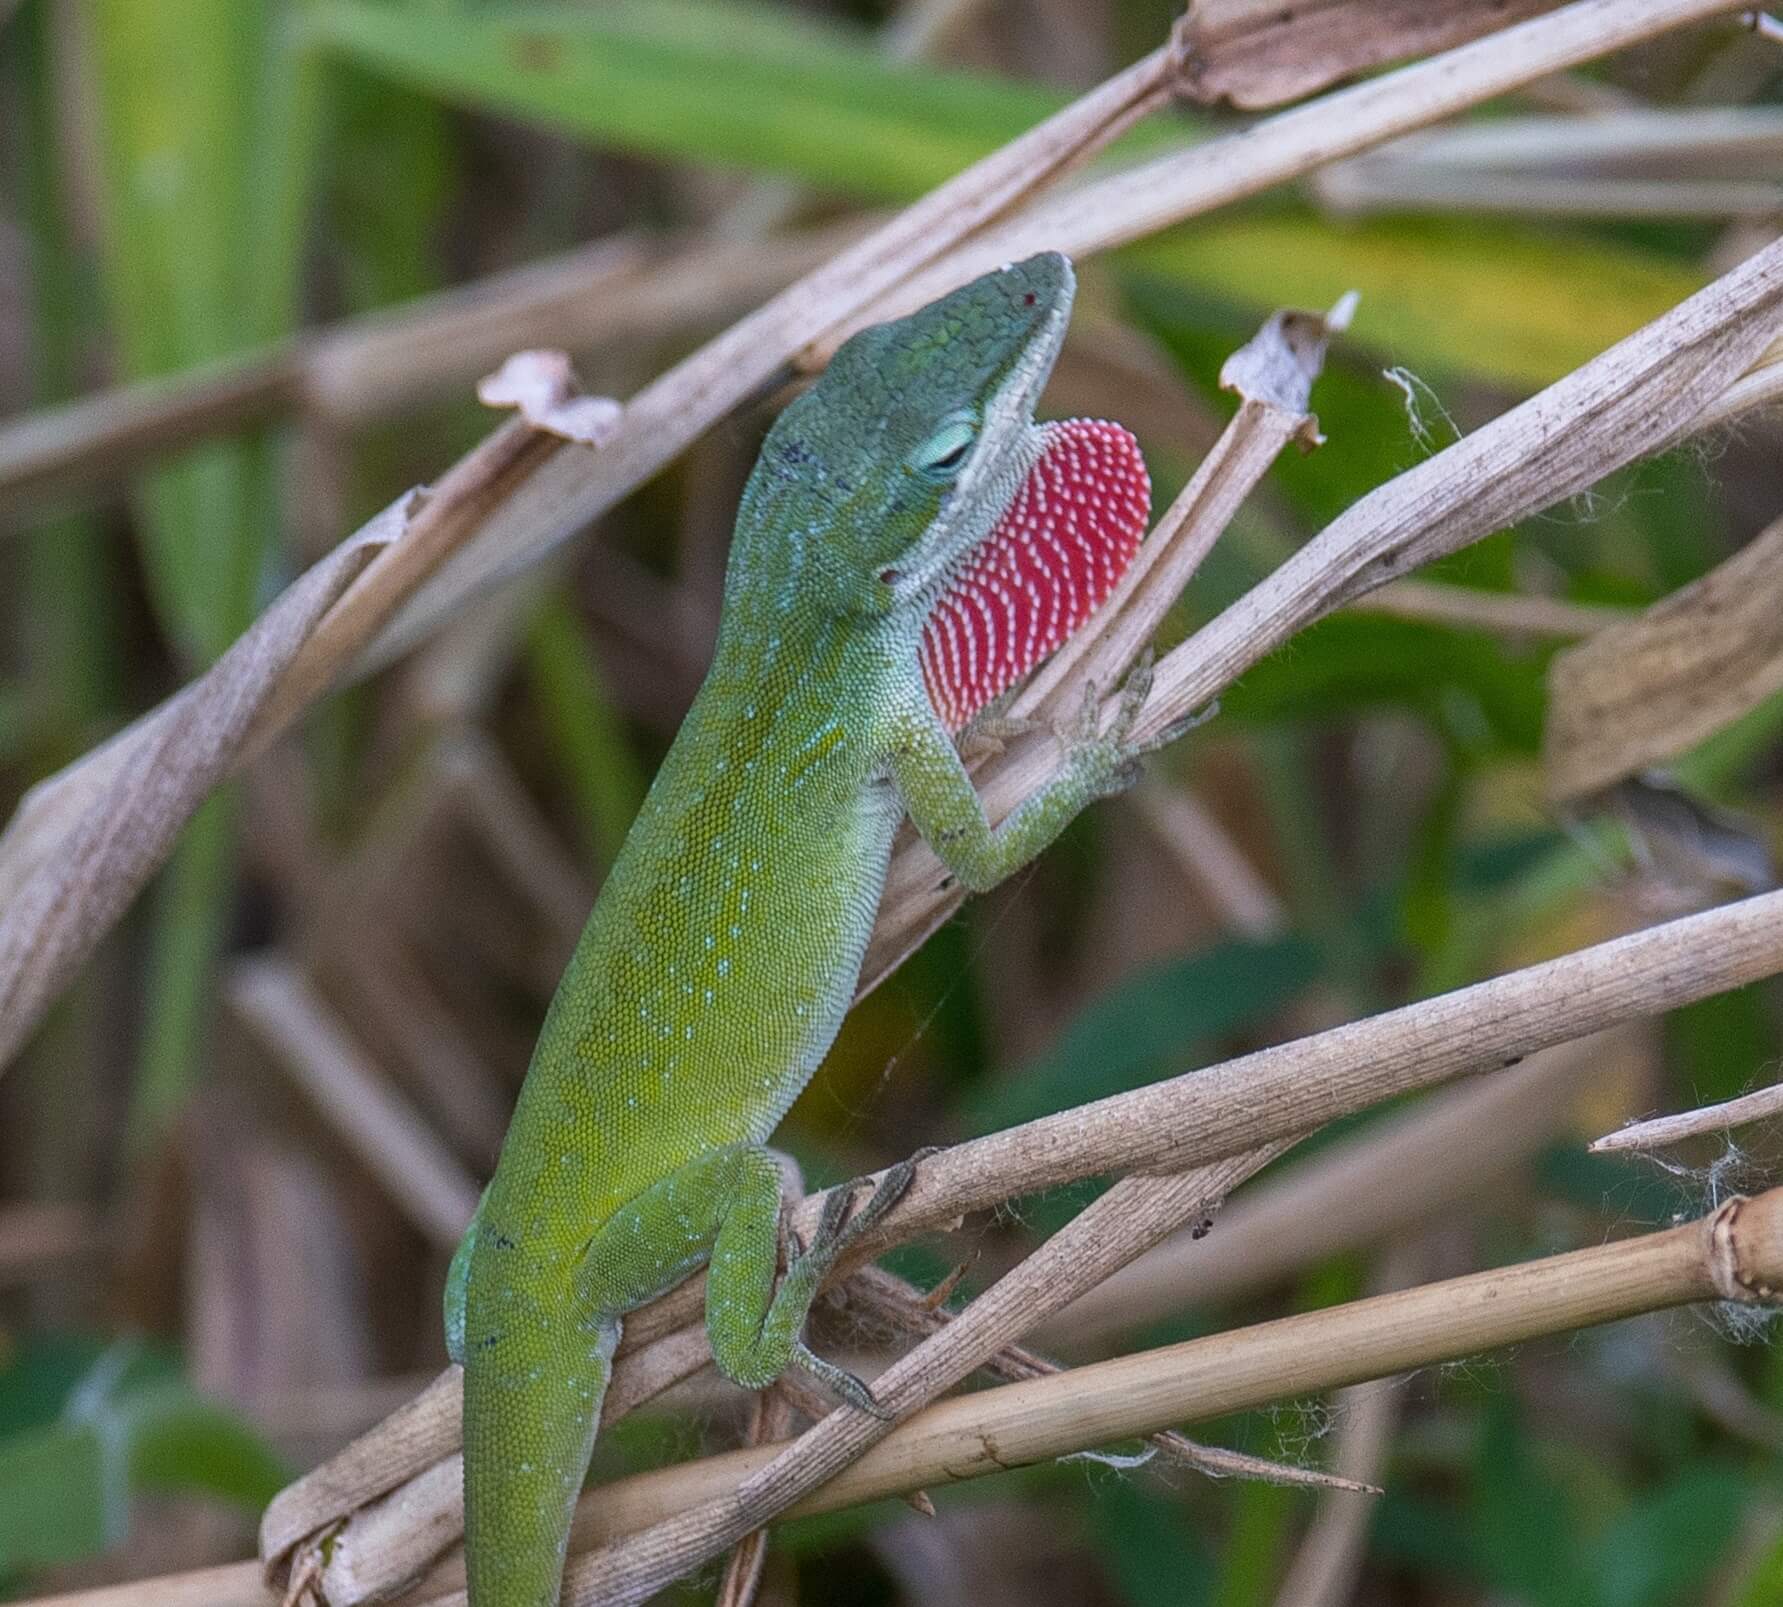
{"x": 941, "y": 455}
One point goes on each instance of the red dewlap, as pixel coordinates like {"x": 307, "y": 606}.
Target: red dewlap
{"x": 1069, "y": 533}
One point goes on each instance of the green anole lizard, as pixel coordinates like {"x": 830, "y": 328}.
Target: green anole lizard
{"x": 909, "y": 545}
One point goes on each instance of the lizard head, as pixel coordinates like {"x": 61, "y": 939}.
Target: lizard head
{"x": 912, "y": 486}
{"x": 902, "y": 455}
{"x": 957, "y": 383}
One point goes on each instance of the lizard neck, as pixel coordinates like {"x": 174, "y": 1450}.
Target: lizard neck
{"x": 782, "y": 645}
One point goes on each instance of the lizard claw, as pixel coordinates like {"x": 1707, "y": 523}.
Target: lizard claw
{"x": 1112, "y": 758}
{"x": 840, "y": 1226}
{"x": 1134, "y": 691}
{"x": 841, "y": 1383}
{"x": 1192, "y": 721}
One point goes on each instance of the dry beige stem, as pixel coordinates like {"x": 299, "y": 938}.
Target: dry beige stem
{"x": 1426, "y": 188}
{"x": 1734, "y": 1254}
{"x": 1152, "y": 195}
{"x": 1329, "y": 1559}
{"x": 1292, "y": 1088}
{"x": 1764, "y": 1104}
{"x": 1634, "y": 139}
{"x": 1761, "y": 386}
{"x": 455, "y": 512}
{"x": 313, "y": 1047}
{"x": 875, "y": 1295}
{"x": 234, "y": 1584}
{"x": 620, "y": 289}
{"x": 390, "y": 1544}
{"x": 401, "y": 1485}
{"x": 1500, "y": 612}
{"x": 106, "y": 435}
{"x": 1645, "y": 691}
{"x": 772, "y": 1420}
{"x": 1257, "y": 53}
{"x": 1275, "y": 1093}
{"x": 1404, "y": 1170}
{"x": 82, "y": 845}
{"x": 415, "y": 1437}
{"x": 1703, "y": 161}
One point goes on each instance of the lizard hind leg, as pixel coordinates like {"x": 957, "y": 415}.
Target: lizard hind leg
{"x": 723, "y": 1208}
{"x": 756, "y": 1328}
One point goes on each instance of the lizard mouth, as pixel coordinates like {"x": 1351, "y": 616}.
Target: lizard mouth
{"x": 1059, "y": 548}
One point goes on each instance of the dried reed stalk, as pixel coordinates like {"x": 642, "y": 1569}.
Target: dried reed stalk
{"x": 1735, "y": 1253}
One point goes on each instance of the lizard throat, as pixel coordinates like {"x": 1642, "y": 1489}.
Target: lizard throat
{"x": 1061, "y": 546}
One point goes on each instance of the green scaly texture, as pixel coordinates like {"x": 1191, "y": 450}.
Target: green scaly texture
{"x": 727, "y": 942}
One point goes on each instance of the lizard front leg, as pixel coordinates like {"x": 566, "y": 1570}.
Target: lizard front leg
{"x": 946, "y": 808}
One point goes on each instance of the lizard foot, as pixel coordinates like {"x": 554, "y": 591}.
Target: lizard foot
{"x": 1192, "y": 721}
{"x": 841, "y": 1383}
{"x": 837, "y": 1229}
{"x": 841, "y": 1226}
{"x": 1113, "y": 757}
{"x": 1108, "y": 762}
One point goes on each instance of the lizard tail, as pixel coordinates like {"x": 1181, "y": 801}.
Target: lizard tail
{"x": 532, "y": 1401}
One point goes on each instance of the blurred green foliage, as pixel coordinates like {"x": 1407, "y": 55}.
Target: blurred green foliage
{"x": 83, "y": 1429}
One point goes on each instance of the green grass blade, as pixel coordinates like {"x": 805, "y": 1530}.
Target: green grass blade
{"x": 205, "y": 135}
{"x": 1505, "y": 302}
{"x": 586, "y": 735}
{"x": 201, "y": 169}
{"x": 737, "y": 85}
{"x": 71, "y": 629}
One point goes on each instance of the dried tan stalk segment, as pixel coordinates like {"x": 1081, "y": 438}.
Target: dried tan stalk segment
{"x": 1257, "y": 53}
{"x": 1642, "y": 692}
